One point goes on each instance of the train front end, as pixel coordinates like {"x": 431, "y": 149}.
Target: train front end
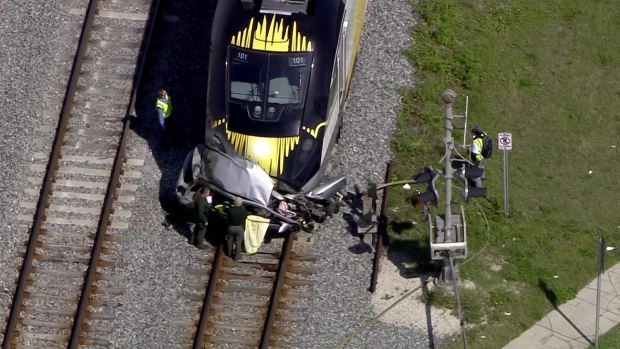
{"x": 269, "y": 85}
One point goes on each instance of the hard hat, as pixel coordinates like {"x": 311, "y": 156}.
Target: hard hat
{"x": 477, "y": 129}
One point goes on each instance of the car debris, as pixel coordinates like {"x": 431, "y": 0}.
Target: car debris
{"x": 230, "y": 175}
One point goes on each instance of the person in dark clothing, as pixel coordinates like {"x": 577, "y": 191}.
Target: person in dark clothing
{"x": 236, "y": 228}
{"x": 202, "y": 204}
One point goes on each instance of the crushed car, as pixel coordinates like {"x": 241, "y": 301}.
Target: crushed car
{"x": 230, "y": 175}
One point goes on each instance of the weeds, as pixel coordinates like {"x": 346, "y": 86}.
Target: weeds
{"x": 548, "y": 73}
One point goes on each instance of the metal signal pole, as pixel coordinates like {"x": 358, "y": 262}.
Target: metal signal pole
{"x": 452, "y": 225}
{"x": 448, "y": 238}
{"x": 448, "y": 97}
{"x": 449, "y": 235}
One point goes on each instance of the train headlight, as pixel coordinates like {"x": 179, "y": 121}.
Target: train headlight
{"x": 260, "y": 148}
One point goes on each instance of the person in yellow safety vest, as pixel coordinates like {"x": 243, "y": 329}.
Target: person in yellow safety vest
{"x": 164, "y": 110}
{"x": 476, "y": 150}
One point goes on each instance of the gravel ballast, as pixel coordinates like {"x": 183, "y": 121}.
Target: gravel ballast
{"x": 341, "y": 303}
{"x": 154, "y": 262}
{"x": 32, "y": 36}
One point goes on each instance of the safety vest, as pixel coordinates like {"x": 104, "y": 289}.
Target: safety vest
{"x": 165, "y": 105}
{"x": 479, "y": 141}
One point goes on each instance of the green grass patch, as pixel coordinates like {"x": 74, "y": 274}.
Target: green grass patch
{"x": 549, "y": 73}
{"x": 611, "y": 339}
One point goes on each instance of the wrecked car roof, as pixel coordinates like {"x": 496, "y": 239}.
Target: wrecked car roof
{"x": 236, "y": 175}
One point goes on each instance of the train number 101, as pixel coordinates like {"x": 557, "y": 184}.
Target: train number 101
{"x": 296, "y": 61}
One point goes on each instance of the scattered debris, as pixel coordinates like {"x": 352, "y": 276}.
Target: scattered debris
{"x": 613, "y": 145}
{"x": 589, "y": 172}
{"x": 231, "y": 175}
{"x": 610, "y": 248}
{"x": 468, "y": 284}
{"x": 555, "y": 276}
{"x": 483, "y": 337}
{"x": 507, "y": 314}
{"x": 406, "y": 186}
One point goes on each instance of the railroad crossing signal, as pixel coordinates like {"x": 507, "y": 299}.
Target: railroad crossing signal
{"x": 468, "y": 175}
{"x": 448, "y": 236}
{"x": 428, "y": 176}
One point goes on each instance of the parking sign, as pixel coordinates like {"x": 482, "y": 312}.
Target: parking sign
{"x": 504, "y": 141}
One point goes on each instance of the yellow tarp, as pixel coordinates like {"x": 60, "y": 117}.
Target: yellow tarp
{"x": 255, "y": 229}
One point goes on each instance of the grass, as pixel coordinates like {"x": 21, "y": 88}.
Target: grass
{"x": 610, "y": 339}
{"x": 549, "y": 73}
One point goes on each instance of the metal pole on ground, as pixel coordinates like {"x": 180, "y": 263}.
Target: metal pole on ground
{"x": 382, "y": 234}
{"x": 455, "y": 280}
{"x": 601, "y": 270}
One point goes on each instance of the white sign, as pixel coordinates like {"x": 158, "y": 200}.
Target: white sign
{"x": 504, "y": 141}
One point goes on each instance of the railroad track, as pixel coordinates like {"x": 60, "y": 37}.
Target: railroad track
{"x": 252, "y": 302}
{"x": 66, "y": 287}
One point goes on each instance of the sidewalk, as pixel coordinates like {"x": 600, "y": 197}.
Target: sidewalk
{"x": 572, "y": 324}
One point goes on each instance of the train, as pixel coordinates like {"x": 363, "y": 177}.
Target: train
{"x": 279, "y": 74}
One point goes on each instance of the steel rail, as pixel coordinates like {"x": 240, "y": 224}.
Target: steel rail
{"x": 113, "y": 185}
{"x": 50, "y": 175}
{"x": 274, "y": 300}
{"x": 209, "y": 295}
{"x": 382, "y": 234}
{"x": 277, "y": 290}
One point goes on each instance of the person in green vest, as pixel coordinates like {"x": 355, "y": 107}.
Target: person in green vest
{"x": 202, "y": 205}
{"x": 476, "y": 150}
{"x": 236, "y": 228}
{"x": 163, "y": 105}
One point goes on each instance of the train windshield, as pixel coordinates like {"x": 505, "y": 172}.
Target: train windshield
{"x": 246, "y": 73}
{"x": 288, "y": 78}
{"x": 271, "y": 79}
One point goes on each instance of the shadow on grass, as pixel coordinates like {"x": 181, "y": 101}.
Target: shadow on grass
{"x": 400, "y": 227}
{"x": 553, "y": 299}
{"x": 411, "y": 256}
